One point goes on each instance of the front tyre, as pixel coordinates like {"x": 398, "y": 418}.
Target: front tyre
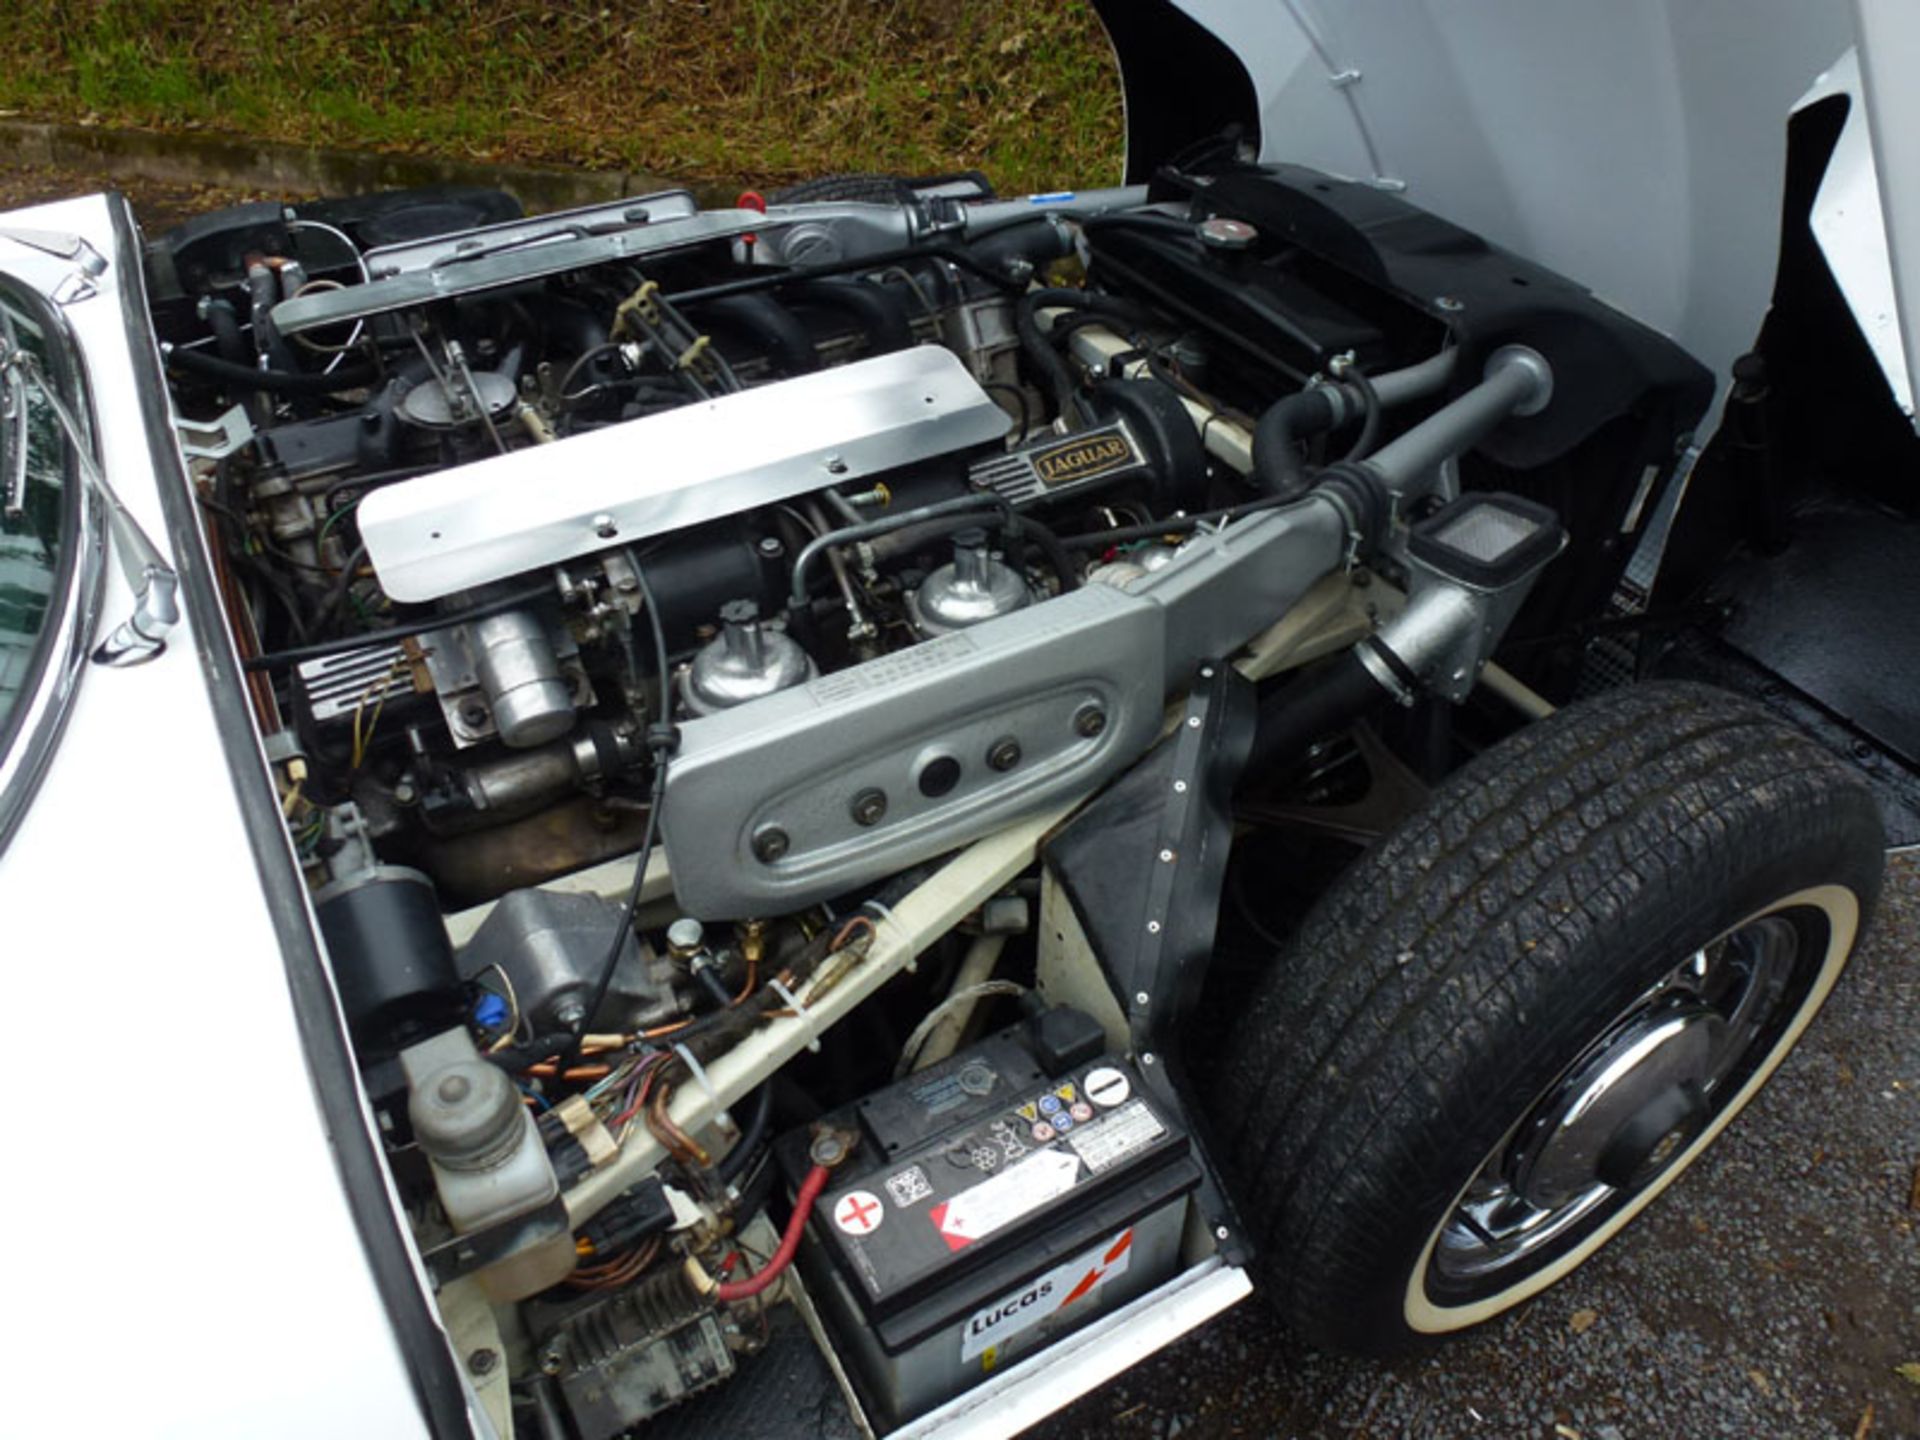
{"x": 1518, "y": 1018}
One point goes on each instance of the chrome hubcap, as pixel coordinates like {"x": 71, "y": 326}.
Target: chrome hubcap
{"x": 1627, "y": 1109}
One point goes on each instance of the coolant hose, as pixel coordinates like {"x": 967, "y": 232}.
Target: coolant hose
{"x": 878, "y": 311}
{"x": 1039, "y": 349}
{"x": 280, "y": 382}
{"x": 768, "y": 321}
{"x": 225, "y": 326}
{"x": 1277, "y": 466}
{"x": 1326, "y": 697}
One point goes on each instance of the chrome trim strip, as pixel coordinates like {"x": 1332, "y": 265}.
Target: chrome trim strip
{"x": 36, "y": 729}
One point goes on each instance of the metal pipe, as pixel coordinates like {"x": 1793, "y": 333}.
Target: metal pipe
{"x": 846, "y": 535}
{"x": 1417, "y": 381}
{"x": 989, "y": 215}
{"x": 858, "y": 626}
{"x": 1518, "y": 382}
{"x": 1516, "y": 692}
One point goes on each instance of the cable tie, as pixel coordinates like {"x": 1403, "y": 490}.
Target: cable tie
{"x": 800, "y": 1012}
{"x": 699, "y": 1074}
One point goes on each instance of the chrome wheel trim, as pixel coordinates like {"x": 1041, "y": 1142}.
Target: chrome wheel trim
{"x": 1596, "y": 1223}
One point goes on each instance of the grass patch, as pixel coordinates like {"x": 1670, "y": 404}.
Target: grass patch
{"x": 755, "y": 91}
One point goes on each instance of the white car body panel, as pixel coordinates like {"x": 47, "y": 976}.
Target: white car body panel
{"x": 1635, "y": 146}
{"x": 1850, "y": 227}
{"x": 175, "y": 1214}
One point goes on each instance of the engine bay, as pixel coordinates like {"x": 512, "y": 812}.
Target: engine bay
{"x": 681, "y": 638}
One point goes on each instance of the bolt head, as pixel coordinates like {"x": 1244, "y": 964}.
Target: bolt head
{"x": 868, "y": 807}
{"x": 1004, "y": 754}
{"x": 474, "y": 712}
{"x": 771, "y": 547}
{"x": 1089, "y": 721}
{"x": 770, "y": 843}
{"x": 483, "y": 1360}
{"x": 1142, "y": 998}
{"x": 1219, "y": 1232}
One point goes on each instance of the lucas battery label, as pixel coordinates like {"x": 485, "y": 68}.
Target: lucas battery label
{"x": 1045, "y": 1296}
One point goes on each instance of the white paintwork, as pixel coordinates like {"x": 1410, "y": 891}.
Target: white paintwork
{"x": 1850, "y": 229}
{"x": 1082, "y": 1362}
{"x": 180, "y": 1258}
{"x": 1889, "y": 33}
{"x": 1635, "y": 146}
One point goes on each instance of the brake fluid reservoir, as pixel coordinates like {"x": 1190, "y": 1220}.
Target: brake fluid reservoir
{"x": 488, "y": 1162}
{"x": 487, "y": 1158}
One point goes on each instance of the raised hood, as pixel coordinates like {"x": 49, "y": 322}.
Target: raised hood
{"x": 1635, "y": 146}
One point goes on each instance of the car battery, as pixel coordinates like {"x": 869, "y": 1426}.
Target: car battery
{"x": 993, "y": 1203}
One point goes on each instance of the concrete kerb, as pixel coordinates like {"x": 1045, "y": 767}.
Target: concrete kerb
{"x": 190, "y": 158}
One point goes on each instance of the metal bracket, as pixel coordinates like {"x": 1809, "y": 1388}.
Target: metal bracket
{"x": 214, "y": 439}
{"x": 1144, "y": 865}
{"x": 464, "y": 1254}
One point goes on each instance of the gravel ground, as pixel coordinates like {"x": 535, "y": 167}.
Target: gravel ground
{"x": 1772, "y": 1293}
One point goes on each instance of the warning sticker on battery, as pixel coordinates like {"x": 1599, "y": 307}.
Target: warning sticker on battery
{"x": 1045, "y": 1296}
{"x": 1127, "y": 1130}
{"x": 976, "y": 1213}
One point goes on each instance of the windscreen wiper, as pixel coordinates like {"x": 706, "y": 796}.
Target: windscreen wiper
{"x": 154, "y": 582}
{"x": 89, "y": 263}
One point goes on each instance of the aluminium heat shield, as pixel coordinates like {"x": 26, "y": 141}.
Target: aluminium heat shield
{"x": 473, "y": 524}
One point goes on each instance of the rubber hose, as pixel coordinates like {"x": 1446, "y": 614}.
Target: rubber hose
{"x": 1368, "y": 439}
{"x": 715, "y": 987}
{"x": 1038, "y": 347}
{"x": 226, "y": 331}
{"x": 752, "y": 1134}
{"x": 1326, "y": 697}
{"x": 1277, "y": 466}
{"x": 878, "y": 311}
{"x": 279, "y": 382}
{"x": 1036, "y": 242}
{"x": 772, "y": 324}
